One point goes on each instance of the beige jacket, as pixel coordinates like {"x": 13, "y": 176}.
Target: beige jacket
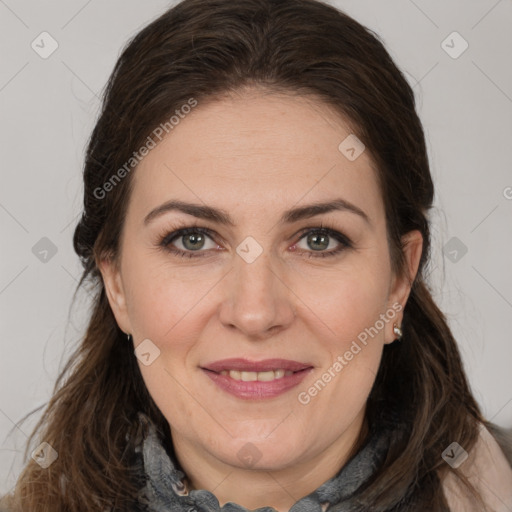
{"x": 489, "y": 470}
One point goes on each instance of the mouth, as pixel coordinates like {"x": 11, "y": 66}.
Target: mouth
{"x": 256, "y": 379}
{"x": 246, "y": 370}
{"x": 259, "y": 376}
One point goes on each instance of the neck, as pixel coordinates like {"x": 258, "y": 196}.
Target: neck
{"x": 279, "y": 488}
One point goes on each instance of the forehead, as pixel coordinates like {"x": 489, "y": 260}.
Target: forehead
{"x": 257, "y": 152}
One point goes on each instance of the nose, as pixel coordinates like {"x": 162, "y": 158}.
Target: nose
{"x": 257, "y": 301}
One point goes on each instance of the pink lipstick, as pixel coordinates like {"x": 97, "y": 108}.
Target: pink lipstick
{"x": 253, "y": 380}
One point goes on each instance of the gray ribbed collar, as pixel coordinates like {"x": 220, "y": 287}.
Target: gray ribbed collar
{"x": 165, "y": 488}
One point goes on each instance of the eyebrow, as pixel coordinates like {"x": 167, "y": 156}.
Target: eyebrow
{"x": 220, "y": 216}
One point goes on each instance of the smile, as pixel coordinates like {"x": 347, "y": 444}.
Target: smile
{"x": 259, "y": 376}
{"x": 256, "y": 380}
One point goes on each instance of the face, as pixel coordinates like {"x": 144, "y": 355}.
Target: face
{"x": 312, "y": 288}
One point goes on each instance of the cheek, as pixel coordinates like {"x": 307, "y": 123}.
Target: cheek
{"x": 175, "y": 397}
{"x": 344, "y": 303}
{"x": 161, "y": 299}
{"x": 344, "y": 312}
{"x": 351, "y": 346}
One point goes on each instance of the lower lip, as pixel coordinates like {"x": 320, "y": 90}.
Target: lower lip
{"x": 254, "y": 390}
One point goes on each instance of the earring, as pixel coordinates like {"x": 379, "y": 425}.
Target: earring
{"x": 128, "y": 336}
{"x": 398, "y": 331}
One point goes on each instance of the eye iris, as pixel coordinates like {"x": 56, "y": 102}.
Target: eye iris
{"x": 319, "y": 238}
{"x": 197, "y": 241}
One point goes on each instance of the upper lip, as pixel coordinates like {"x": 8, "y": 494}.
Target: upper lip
{"x": 246, "y": 365}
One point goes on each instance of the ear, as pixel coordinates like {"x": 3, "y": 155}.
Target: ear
{"x": 400, "y": 288}
{"x": 114, "y": 289}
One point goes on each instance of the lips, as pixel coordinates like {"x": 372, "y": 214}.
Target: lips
{"x": 244, "y": 365}
{"x": 256, "y": 380}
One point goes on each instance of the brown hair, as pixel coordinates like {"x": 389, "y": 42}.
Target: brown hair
{"x": 203, "y": 49}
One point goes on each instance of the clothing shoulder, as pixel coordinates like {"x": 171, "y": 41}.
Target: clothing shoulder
{"x": 488, "y": 469}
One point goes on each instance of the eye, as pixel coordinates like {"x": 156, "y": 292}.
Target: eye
{"x": 319, "y": 239}
{"x": 194, "y": 238}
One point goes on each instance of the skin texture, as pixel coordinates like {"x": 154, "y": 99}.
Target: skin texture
{"x": 256, "y": 155}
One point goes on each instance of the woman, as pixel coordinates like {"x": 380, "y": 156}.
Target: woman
{"x": 255, "y": 227}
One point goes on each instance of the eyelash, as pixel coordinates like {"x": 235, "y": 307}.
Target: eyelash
{"x": 167, "y": 238}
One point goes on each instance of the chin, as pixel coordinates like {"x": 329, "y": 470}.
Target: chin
{"x": 260, "y": 453}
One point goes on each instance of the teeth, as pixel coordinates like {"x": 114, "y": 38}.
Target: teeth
{"x": 259, "y": 376}
{"x": 266, "y": 376}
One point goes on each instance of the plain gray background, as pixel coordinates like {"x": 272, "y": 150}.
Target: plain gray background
{"x": 48, "y": 108}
